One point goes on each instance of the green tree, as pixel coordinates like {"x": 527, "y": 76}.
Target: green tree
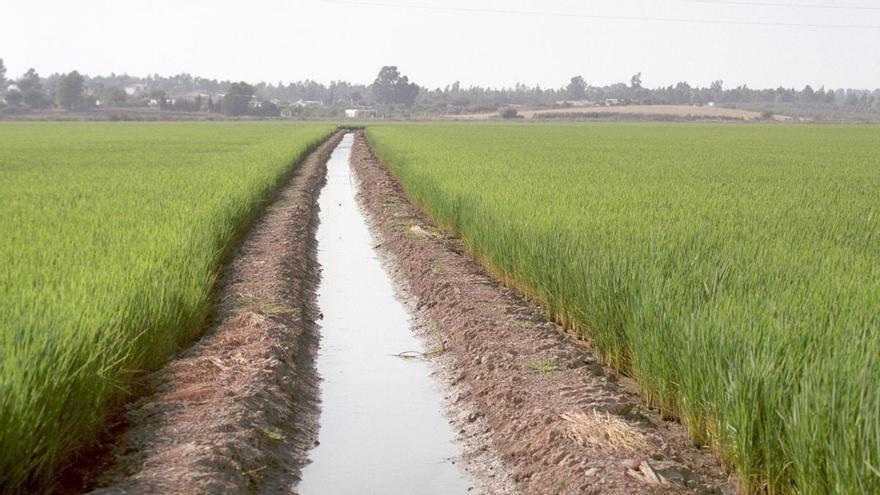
{"x": 14, "y": 98}
{"x": 807, "y": 94}
{"x": 267, "y": 109}
{"x": 160, "y": 97}
{"x": 390, "y": 88}
{"x": 683, "y": 93}
{"x": 636, "y": 92}
{"x": 576, "y": 89}
{"x": 831, "y": 96}
{"x": 29, "y": 81}
{"x": 32, "y": 90}
{"x": 69, "y": 94}
{"x": 635, "y": 81}
{"x": 2, "y": 76}
{"x": 716, "y": 90}
{"x": 111, "y": 97}
{"x": 383, "y": 86}
{"x": 238, "y": 98}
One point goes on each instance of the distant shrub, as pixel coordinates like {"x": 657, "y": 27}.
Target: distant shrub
{"x": 509, "y": 113}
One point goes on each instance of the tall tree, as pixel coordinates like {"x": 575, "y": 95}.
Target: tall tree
{"x": 29, "y": 81}
{"x": 69, "y": 94}
{"x": 160, "y": 97}
{"x": 2, "y": 76}
{"x": 13, "y": 98}
{"x": 390, "y": 87}
{"x": 716, "y": 90}
{"x": 407, "y": 92}
{"x": 576, "y": 89}
{"x": 807, "y": 94}
{"x": 383, "y": 86}
{"x": 32, "y": 90}
{"x": 238, "y": 98}
{"x": 109, "y": 96}
{"x": 635, "y": 81}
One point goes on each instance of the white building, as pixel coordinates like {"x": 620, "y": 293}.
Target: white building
{"x": 136, "y": 89}
{"x": 361, "y": 113}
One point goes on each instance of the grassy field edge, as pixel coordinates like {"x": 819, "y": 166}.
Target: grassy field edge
{"x": 742, "y": 452}
{"x": 32, "y": 468}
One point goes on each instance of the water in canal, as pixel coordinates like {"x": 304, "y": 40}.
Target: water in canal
{"x": 382, "y": 428}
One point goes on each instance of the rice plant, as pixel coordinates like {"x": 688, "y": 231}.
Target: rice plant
{"x": 112, "y": 237}
{"x": 732, "y": 270}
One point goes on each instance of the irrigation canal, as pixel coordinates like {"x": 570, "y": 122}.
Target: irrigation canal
{"x": 382, "y": 428}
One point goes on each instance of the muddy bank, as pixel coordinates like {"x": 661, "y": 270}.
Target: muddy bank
{"x": 534, "y": 410}
{"x": 236, "y": 412}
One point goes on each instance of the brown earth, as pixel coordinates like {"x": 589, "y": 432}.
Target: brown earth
{"x": 237, "y": 412}
{"x": 645, "y": 112}
{"x": 684, "y": 111}
{"x": 121, "y": 114}
{"x": 534, "y": 410}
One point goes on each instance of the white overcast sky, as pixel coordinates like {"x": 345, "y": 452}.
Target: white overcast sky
{"x": 275, "y": 40}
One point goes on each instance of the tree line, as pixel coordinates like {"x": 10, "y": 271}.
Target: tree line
{"x": 28, "y": 91}
{"x": 391, "y": 91}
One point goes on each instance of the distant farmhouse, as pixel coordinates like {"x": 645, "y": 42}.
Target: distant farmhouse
{"x": 361, "y": 113}
{"x": 137, "y": 89}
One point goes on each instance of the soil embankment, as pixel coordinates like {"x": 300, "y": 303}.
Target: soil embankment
{"x": 534, "y": 410}
{"x": 237, "y": 412}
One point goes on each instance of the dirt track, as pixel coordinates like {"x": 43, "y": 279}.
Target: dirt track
{"x": 636, "y": 112}
{"x": 534, "y": 410}
{"x": 236, "y": 412}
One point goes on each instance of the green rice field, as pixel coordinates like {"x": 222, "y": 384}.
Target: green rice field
{"x": 732, "y": 270}
{"x": 112, "y": 236}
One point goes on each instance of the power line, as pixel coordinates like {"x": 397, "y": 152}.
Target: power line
{"x": 597, "y": 16}
{"x": 779, "y": 4}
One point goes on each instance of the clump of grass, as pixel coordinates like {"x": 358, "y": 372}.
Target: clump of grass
{"x": 731, "y": 270}
{"x": 542, "y": 365}
{"x": 112, "y": 240}
{"x": 272, "y": 435}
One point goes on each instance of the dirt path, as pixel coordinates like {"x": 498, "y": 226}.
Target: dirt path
{"x": 534, "y": 410}
{"x": 236, "y": 412}
{"x": 635, "y": 112}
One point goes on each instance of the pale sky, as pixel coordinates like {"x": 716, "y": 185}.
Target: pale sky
{"x": 489, "y": 42}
